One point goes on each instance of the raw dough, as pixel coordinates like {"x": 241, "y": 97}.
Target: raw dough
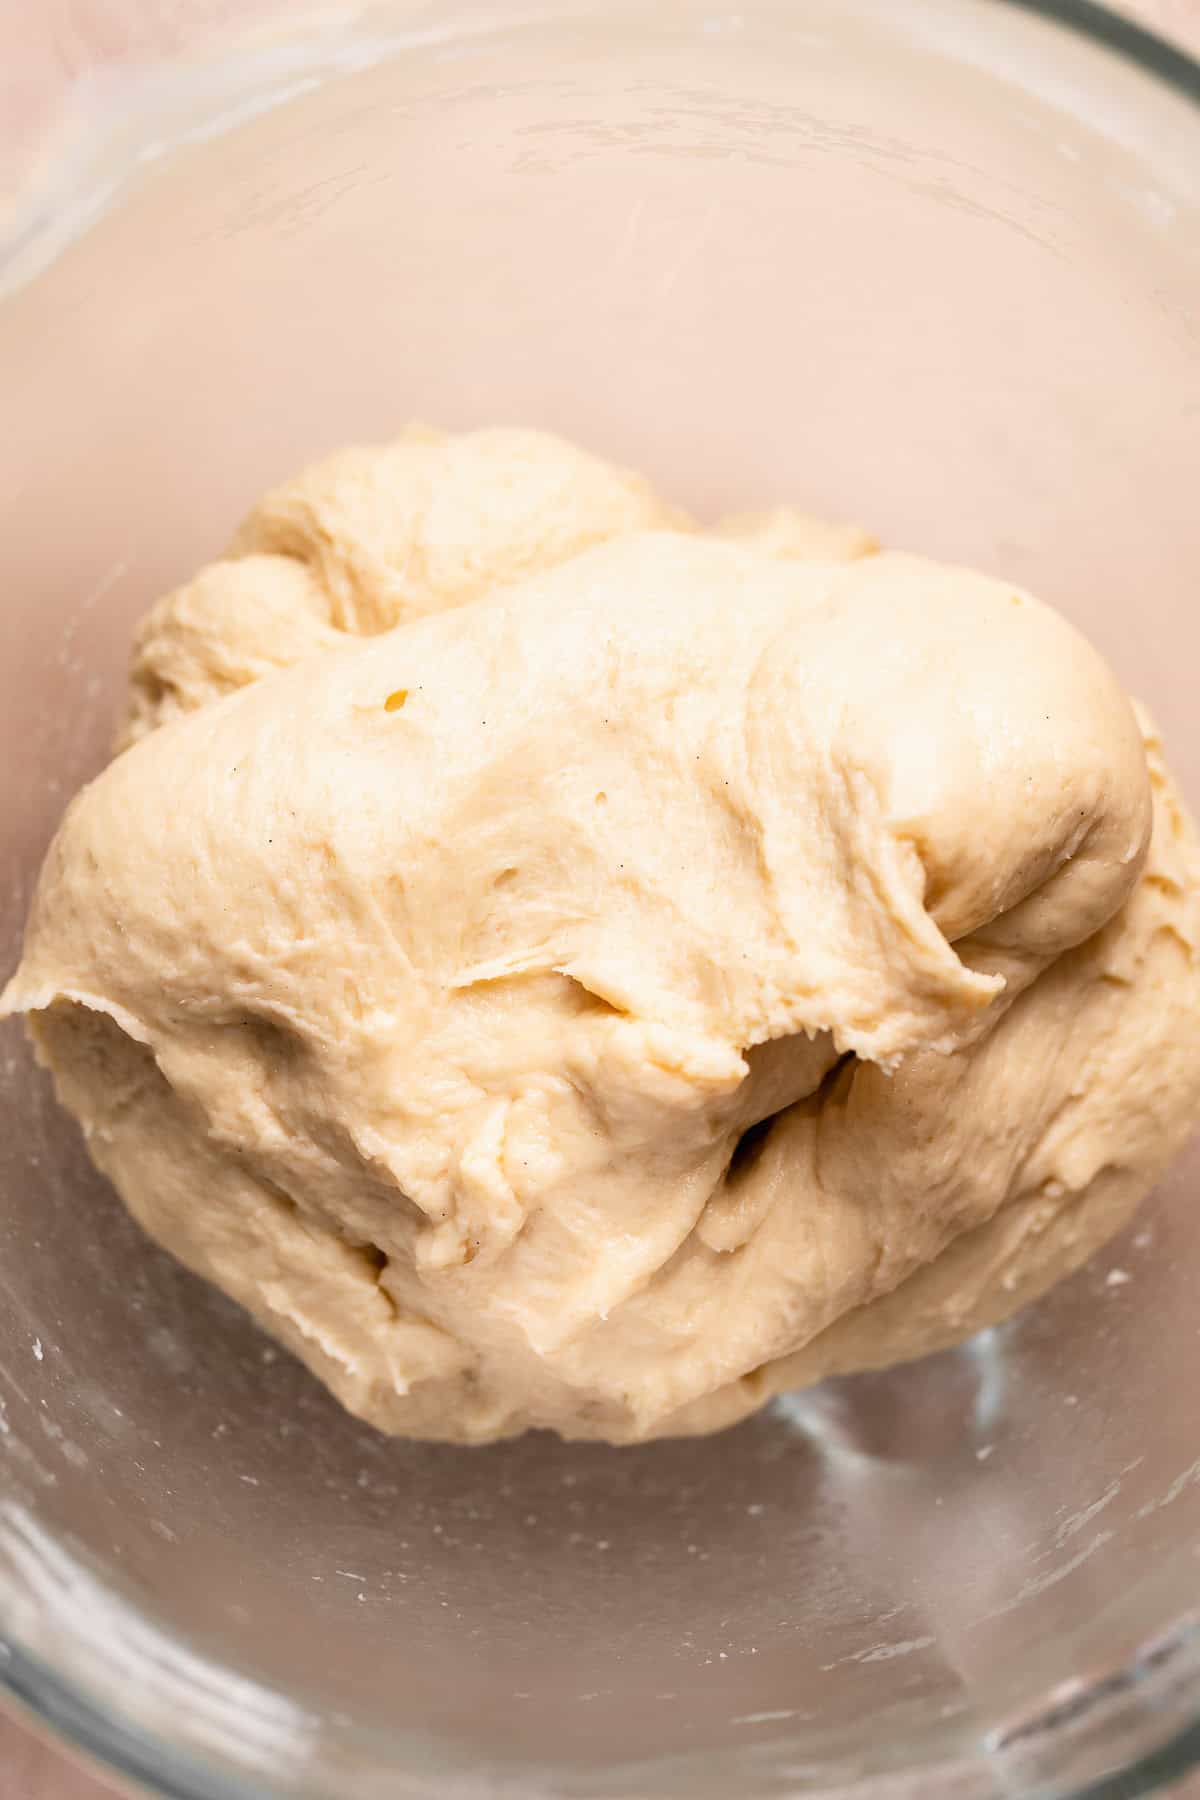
{"x": 652, "y": 969}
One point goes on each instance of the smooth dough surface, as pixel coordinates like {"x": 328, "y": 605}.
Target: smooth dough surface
{"x": 559, "y": 967}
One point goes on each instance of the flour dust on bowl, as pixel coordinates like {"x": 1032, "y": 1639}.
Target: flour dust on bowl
{"x": 937, "y": 272}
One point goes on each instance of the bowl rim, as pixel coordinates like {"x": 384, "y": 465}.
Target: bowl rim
{"x": 62, "y": 1712}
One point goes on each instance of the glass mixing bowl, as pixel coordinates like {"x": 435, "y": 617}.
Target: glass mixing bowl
{"x": 932, "y": 266}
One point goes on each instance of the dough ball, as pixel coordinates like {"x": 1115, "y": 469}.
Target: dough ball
{"x": 613, "y": 973}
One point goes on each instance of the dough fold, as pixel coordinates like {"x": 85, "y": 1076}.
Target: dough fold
{"x": 559, "y": 967}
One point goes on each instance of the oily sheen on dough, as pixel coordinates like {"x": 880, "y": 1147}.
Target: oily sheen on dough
{"x": 558, "y": 967}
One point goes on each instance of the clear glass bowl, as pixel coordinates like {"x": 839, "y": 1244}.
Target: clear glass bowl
{"x": 932, "y": 266}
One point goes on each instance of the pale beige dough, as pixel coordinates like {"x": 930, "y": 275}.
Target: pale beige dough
{"x": 557, "y": 967}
